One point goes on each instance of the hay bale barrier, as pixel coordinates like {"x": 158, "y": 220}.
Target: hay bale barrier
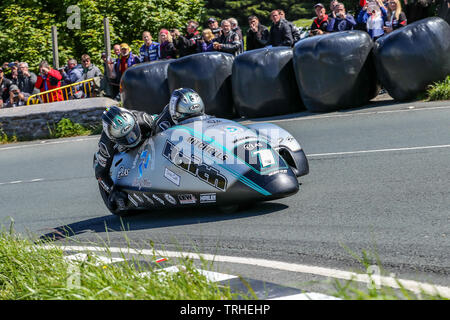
{"x": 209, "y": 74}
{"x": 264, "y": 83}
{"x": 413, "y": 57}
{"x": 145, "y": 86}
{"x": 335, "y": 71}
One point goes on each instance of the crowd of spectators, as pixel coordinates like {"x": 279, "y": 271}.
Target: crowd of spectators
{"x": 377, "y": 17}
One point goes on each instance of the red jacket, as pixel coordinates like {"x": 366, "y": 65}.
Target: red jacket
{"x": 50, "y": 81}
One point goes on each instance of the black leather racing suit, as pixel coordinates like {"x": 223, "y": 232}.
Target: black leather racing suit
{"x": 148, "y": 124}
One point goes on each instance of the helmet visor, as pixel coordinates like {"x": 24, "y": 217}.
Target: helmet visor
{"x": 131, "y": 138}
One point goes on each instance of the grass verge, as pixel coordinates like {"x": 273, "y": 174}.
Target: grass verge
{"x": 31, "y": 272}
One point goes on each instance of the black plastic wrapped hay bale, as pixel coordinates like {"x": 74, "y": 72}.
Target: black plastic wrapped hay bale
{"x": 413, "y": 57}
{"x": 264, "y": 83}
{"x": 145, "y": 86}
{"x": 335, "y": 71}
{"x": 209, "y": 74}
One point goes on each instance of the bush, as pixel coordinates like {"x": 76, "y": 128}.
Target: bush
{"x": 439, "y": 90}
{"x": 66, "y": 128}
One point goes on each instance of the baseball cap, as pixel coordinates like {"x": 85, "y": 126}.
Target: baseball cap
{"x": 124, "y": 45}
{"x": 211, "y": 20}
{"x": 319, "y": 5}
{"x": 13, "y": 87}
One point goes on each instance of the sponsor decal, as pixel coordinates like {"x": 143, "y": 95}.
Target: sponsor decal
{"x": 266, "y": 157}
{"x": 149, "y": 200}
{"x": 207, "y": 197}
{"x": 170, "y": 199}
{"x": 214, "y": 121}
{"x": 138, "y": 198}
{"x": 132, "y": 200}
{"x": 207, "y": 148}
{"x": 123, "y": 172}
{"x": 104, "y": 150}
{"x": 158, "y": 199}
{"x": 276, "y": 172}
{"x": 145, "y": 159}
{"x": 172, "y": 177}
{"x": 194, "y": 167}
{"x": 141, "y": 183}
{"x": 164, "y": 125}
{"x": 252, "y": 145}
{"x": 187, "y": 198}
{"x": 100, "y": 160}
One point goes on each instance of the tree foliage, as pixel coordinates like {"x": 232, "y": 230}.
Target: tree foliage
{"x": 25, "y": 25}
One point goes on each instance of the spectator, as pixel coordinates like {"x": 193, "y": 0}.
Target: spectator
{"x": 294, "y": 30}
{"x": 149, "y": 51}
{"x": 280, "y": 31}
{"x": 89, "y": 69}
{"x": 229, "y": 40}
{"x": 187, "y": 44}
{"x": 166, "y": 48}
{"x": 320, "y": 23}
{"x": 443, "y": 10}
{"x": 333, "y": 7}
{"x": 16, "y": 98}
{"x": 206, "y": 43}
{"x": 417, "y": 9}
{"x": 126, "y": 60}
{"x": 257, "y": 34}
{"x": 396, "y": 18}
{"x": 116, "y": 50}
{"x": 342, "y": 22}
{"x": 373, "y": 15}
{"x": 72, "y": 72}
{"x": 213, "y": 24}
{"x": 49, "y": 79}
{"x": 27, "y": 80}
{"x": 111, "y": 73}
{"x": 5, "y": 84}
{"x": 235, "y": 28}
{"x": 14, "y": 75}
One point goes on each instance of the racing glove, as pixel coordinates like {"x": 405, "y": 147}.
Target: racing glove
{"x": 117, "y": 199}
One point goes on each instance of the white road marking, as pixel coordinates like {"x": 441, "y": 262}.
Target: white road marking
{"x": 47, "y": 142}
{"x": 348, "y": 114}
{"x": 21, "y": 181}
{"x": 411, "y": 285}
{"x": 100, "y": 260}
{"x": 378, "y": 150}
{"x": 307, "y": 296}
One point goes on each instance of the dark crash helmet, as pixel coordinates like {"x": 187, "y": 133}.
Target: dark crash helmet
{"x": 121, "y": 127}
{"x": 185, "y": 103}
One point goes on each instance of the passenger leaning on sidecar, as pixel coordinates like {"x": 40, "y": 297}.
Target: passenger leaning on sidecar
{"x": 125, "y": 129}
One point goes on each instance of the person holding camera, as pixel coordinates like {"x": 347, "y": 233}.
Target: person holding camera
{"x": 186, "y": 45}
{"x": 373, "y": 14}
{"x": 5, "y": 84}
{"x": 320, "y": 23}
{"x": 342, "y": 22}
{"x": 257, "y": 34}
{"x": 49, "y": 79}
{"x": 16, "y": 98}
{"x": 213, "y": 24}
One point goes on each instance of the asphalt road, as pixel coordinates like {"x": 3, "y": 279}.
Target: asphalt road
{"x": 378, "y": 183}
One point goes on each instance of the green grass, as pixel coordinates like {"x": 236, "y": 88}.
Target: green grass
{"x": 439, "y": 90}
{"x": 31, "y": 272}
